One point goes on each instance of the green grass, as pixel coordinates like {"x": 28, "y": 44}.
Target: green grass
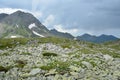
{"x": 10, "y": 43}
{"x": 89, "y": 48}
{"x": 111, "y": 53}
{"x": 61, "y": 67}
{"x": 86, "y": 51}
{"x": 5, "y": 54}
{"x": 26, "y": 53}
{"x": 66, "y": 45}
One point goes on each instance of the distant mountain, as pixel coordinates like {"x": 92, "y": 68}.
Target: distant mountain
{"x": 61, "y": 34}
{"x": 21, "y": 24}
{"x": 97, "y": 39}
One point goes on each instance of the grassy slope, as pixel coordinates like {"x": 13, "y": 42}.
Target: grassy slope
{"x": 83, "y": 47}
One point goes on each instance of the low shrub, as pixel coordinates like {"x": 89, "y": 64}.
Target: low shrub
{"x": 5, "y": 69}
{"x": 49, "y": 54}
{"x": 20, "y": 63}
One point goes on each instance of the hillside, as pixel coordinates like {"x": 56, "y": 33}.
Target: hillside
{"x": 58, "y": 59}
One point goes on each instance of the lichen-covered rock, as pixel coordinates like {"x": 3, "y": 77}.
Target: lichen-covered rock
{"x": 87, "y": 64}
{"x": 108, "y": 57}
{"x": 34, "y": 71}
{"x": 74, "y": 68}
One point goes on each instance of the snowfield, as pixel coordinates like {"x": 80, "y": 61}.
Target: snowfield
{"x": 32, "y": 25}
{"x": 38, "y": 34}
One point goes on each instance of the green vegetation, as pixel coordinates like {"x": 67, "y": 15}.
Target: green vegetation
{"x": 26, "y": 53}
{"x": 10, "y": 43}
{"x": 20, "y": 63}
{"x": 49, "y": 54}
{"x": 111, "y": 53}
{"x": 22, "y": 31}
{"x": 4, "y": 54}
{"x": 77, "y": 63}
{"x": 61, "y": 67}
{"x": 5, "y": 69}
{"x": 87, "y": 51}
{"x": 66, "y": 45}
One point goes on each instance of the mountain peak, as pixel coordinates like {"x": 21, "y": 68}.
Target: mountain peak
{"x": 19, "y": 11}
{"x": 22, "y": 18}
{"x": 53, "y": 29}
{"x": 22, "y": 14}
{"x": 86, "y": 34}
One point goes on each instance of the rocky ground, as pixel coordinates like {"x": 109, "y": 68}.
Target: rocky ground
{"x": 50, "y": 61}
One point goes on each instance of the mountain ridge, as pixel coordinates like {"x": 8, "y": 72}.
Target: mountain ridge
{"x": 22, "y": 24}
{"x": 61, "y": 34}
{"x": 97, "y": 39}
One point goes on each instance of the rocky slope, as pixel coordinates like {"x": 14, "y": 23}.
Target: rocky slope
{"x": 58, "y": 59}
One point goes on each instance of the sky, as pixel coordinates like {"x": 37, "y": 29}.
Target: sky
{"x": 77, "y": 17}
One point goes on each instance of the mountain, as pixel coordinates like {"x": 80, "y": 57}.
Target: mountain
{"x": 97, "y": 39}
{"x": 61, "y": 34}
{"x": 21, "y": 24}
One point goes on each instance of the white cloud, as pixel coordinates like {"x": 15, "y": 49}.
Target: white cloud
{"x": 61, "y": 29}
{"x": 49, "y": 20}
{"x": 35, "y": 4}
{"x": 37, "y": 14}
{"x": 10, "y": 10}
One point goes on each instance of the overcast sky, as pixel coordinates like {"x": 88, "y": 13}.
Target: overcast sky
{"x": 74, "y": 16}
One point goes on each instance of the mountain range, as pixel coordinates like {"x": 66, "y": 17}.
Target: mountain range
{"x": 21, "y": 24}
{"x": 97, "y": 39}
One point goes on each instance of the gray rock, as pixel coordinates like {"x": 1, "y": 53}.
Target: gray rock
{"x": 35, "y": 71}
{"x": 87, "y": 64}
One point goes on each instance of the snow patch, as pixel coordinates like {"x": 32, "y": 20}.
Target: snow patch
{"x": 17, "y": 25}
{"x": 32, "y": 25}
{"x": 13, "y": 36}
{"x": 38, "y": 34}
